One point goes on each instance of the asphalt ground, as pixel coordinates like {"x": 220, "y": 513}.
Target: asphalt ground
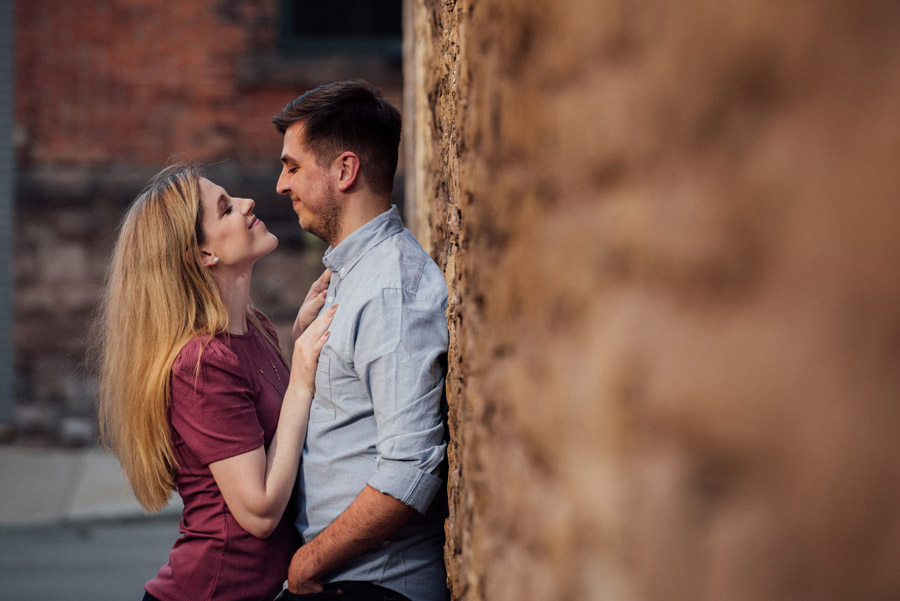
{"x": 106, "y": 560}
{"x": 70, "y": 529}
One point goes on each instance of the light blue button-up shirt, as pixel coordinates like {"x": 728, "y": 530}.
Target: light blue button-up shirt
{"x": 376, "y": 418}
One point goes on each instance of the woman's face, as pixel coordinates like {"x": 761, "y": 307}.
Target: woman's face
{"x": 233, "y": 234}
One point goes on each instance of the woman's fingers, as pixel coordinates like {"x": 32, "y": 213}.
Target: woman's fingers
{"x": 320, "y": 285}
{"x": 320, "y": 343}
{"x": 318, "y": 327}
{"x": 308, "y": 310}
{"x": 323, "y": 279}
{"x": 323, "y": 321}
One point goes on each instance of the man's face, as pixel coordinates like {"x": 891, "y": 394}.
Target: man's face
{"x": 310, "y": 186}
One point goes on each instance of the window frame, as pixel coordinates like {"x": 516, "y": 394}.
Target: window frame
{"x": 292, "y": 44}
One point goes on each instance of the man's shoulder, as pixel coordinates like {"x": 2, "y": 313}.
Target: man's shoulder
{"x": 400, "y": 262}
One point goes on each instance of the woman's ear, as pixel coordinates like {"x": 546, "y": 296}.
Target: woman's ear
{"x": 208, "y": 258}
{"x": 348, "y": 163}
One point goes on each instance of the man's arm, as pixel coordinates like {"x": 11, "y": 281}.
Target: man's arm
{"x": 370, "y": 519}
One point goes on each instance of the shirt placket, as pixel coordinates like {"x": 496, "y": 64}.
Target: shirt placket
{"x": 332, "y": 293}
{"x": 336, "y": 279}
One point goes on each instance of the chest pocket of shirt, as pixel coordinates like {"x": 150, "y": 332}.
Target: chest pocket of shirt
{"x": 322, "y": 409}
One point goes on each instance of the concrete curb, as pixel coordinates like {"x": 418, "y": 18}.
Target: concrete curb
{"x": 47, "y": 486}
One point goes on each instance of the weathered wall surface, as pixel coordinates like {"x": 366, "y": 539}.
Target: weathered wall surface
{"x": 671, "y": 234}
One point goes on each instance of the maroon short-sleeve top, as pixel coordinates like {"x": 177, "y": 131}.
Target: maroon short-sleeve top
{"x": 227, "y": 407}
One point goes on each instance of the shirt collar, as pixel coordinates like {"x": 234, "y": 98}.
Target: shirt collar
{"x": 340, "y": 259}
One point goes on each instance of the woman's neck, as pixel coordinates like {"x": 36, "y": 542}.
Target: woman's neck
{"x": 235, "y": 290}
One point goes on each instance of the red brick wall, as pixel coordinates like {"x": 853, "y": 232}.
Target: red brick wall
{"x": 106, "y": 92}
{"x": 130, "y": 82}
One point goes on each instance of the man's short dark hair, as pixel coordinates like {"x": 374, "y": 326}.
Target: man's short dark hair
{"x": 349, "y": 115}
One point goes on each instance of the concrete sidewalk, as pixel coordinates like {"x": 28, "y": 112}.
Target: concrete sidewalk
{"x": 51, "y": 485}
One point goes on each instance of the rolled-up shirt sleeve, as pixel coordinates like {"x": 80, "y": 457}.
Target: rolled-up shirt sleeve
{"x": 400, "y": 358}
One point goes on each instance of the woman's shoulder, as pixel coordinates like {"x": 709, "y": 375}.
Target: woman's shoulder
{"x": 204, "y": 350}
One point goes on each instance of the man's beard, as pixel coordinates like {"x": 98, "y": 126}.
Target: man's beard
{"x": 327, "y": 224}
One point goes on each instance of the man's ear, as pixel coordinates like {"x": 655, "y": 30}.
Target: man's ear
{"x": 348, "y": 165}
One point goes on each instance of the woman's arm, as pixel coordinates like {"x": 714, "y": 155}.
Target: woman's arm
{"x": 257, "y": 485}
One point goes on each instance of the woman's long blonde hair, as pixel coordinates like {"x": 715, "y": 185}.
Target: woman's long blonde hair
{"x": 158, "y": 296}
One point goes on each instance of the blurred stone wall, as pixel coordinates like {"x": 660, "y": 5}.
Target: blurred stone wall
{"x": 671, "y": 233}
{"x": 105, "y": 93}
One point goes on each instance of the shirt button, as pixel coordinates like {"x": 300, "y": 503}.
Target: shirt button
{"x": 330, "y": 298}
{"x": 343, "y": 270}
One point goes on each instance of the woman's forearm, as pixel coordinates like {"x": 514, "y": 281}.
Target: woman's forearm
{"x": 257, "y": 485}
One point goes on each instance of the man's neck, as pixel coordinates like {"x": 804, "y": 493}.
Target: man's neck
{"x": 357, "y": 214}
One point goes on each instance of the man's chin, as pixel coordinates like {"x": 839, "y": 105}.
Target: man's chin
{"x": 309, "y": 228}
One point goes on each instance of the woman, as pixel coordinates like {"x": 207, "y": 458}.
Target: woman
{"x": 194, "y": 393}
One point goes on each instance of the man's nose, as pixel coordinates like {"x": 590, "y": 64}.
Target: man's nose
{"x": 282, "y": 186}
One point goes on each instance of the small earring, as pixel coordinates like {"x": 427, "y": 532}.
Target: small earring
{"x": 215, "y": 259}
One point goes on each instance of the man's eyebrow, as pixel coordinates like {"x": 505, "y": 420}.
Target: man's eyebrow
{"x": 286, "y": 158}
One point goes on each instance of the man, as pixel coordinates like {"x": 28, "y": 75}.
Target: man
{"x": 370, "y": 507}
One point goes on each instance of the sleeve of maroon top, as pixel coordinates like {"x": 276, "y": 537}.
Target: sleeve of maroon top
{"x": 213, "y": 410}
